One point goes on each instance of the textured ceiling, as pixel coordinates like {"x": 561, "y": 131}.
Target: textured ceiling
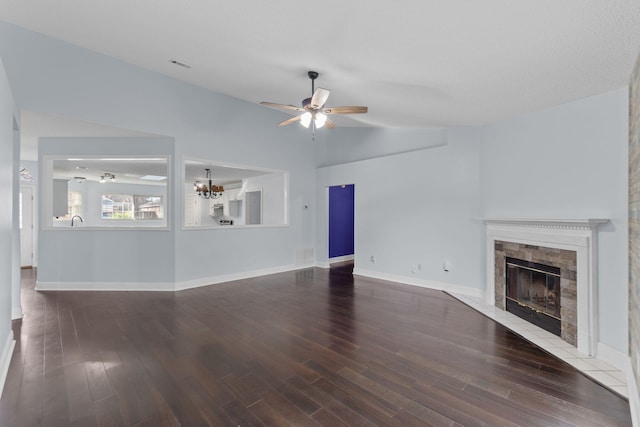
{"x": 415, "y": 63}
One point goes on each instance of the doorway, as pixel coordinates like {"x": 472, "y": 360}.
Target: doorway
{"x": 26, "y": 226}
{"x": 341, "y": 223}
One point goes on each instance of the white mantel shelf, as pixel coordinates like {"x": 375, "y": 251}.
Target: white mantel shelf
{"x": 579, "y": 235}
{"x": 589, "y": 223}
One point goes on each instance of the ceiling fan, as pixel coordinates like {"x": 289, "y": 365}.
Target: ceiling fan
{"x": 313, "y": 109}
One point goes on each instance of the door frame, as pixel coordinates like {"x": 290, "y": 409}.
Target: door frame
{"x": 30, "y": 211}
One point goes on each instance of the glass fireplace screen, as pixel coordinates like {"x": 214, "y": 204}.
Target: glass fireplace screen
{"x": 534, "y": 285}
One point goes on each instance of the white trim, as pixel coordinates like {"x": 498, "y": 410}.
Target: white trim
{"x": 341, "y": 258}
{"x": 164, "y": 286}
{"x": 423, "y": 283}
{"x": 16, "y": 313}
{"x": 229, "y": 227}
{"x": 46, "y": 207}
{"x": 612, "y": 356}
{"x": 320, "y": 264}
{"x": 634, "y": 396}
{"x": 204, "y": 162}
{"x": 105, "y": 286}
{"x": 5, "y": 359}
{"x": 578, "y": 235}
{"x": 214, "y": 280}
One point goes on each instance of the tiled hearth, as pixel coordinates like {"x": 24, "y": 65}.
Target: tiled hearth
{"x": 605, "y": 374}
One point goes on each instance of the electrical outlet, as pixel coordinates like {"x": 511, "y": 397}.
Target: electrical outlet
{"x": 372, "y": 259}
{"x": 446, "y": 266}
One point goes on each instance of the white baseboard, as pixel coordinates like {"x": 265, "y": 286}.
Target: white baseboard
{"x": 163, "y": 286}
{"x": 104, "y": 286}
{"x": 423, "y": 283}
{"x": 634, "y": 397}
{"x": 327, "y": 264}
{"x": 5, "y": 359}
{"x": 214, "y": 280}
{"x": 612, "y": 356}
{"x": 622, "y": 361}
{"x": 341, "y": 259}
{"x": 16, "y": 313}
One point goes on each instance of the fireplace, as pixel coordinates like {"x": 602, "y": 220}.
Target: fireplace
{"x": 533, "y": 293}
{"x": 570, "y": 245}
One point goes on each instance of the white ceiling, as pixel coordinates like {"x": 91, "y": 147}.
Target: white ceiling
{"x": 415, "y": 63}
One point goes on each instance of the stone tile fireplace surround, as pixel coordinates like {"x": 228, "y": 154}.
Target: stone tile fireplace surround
{"x": 563, "y": 243}
{"x": 563, "y": 259}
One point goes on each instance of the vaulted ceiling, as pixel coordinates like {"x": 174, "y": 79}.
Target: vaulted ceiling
{"x": 415, "y": 63}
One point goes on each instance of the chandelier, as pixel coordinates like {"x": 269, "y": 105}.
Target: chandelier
{"x": 208, "y": 191}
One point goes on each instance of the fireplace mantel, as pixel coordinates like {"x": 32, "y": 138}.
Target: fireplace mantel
{"x": 571, "y": 224}
{"x": 579, "y": 235}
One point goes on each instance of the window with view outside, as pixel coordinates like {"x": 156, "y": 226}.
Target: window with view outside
{"x": 129, "y": 206}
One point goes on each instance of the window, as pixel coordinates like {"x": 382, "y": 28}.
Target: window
{"x": 128, "y": 206}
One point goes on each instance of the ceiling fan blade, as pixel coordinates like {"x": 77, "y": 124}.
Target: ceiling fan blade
{"x": 329, "y": 124}
{"x": 286, "y": 107}
{"x": 289, "y": 121}
{"x": 345, "y": 110}
{"x": 319, "y": 98}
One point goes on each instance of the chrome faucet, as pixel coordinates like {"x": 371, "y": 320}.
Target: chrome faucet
{"x": 74, "y": 217}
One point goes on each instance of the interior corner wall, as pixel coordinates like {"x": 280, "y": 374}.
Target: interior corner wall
{"x": 634, "y": 220}
{"x": 413, "y": 211}
{"x": 8, "y": 114}
{"x": 568, "y": 161}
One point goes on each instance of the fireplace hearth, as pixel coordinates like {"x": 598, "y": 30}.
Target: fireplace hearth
{"x": 533, "y": 293}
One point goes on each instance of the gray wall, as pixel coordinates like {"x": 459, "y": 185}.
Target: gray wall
{"x": 419, "y": 207}
{"x": 568, "y": 162}
{"x": 8, "y": 115}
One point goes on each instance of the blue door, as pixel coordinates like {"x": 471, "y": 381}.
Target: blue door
{"x": 341, "y": 220}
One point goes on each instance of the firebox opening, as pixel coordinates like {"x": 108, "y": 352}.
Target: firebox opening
{"x": 533, "y": 293}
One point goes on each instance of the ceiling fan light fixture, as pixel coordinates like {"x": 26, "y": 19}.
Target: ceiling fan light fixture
{"x": 305, "y": 119}
{"x": 314, "y": 109}
{"x": 320, "y": 120}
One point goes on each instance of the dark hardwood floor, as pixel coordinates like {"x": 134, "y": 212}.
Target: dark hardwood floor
{"x": 305, "y": 348}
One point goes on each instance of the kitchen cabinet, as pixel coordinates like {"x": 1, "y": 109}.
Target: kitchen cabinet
{"x": 232, "y": 203}
{"x": 235, "y": 208}
{"x": 60, "y": 197}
